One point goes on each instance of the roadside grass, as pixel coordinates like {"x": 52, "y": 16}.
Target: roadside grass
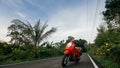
{"x": 10, "y": 61}
{"x": 105, "y": 62}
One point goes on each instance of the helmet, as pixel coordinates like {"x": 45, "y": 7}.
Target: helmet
{"x": 73, "y": 41}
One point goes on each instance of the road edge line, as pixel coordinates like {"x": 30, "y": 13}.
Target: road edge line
{"x": 93, "y": 61}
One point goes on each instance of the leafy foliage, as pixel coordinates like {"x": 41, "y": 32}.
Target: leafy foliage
{"x": 24, "y": 34}
{"x": 108, "y": 38}
{"x": 112, "y": 13}
{"x": 115, "y": 54}
{"x": 12, "y": 53}
{"x": 81, "y": 43}
{"x": 25, "y": 41}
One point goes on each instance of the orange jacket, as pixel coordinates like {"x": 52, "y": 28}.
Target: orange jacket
{"x": 71, "y": 46}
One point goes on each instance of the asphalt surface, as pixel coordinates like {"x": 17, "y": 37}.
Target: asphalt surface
{"x": 53, "y": 63}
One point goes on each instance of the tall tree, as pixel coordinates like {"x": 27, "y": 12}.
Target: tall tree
{"x": 24, "y": 33}
{"x": 112, "y": 13}
{"x": 110, "y": 34}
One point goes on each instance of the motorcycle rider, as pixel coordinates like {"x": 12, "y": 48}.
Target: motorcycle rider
{"x": 73, "y": 47}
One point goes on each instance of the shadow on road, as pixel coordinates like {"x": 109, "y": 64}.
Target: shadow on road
{"x": 72, "y": 65}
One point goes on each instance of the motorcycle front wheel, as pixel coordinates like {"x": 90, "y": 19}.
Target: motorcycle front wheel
{"x": 65, "y": 60}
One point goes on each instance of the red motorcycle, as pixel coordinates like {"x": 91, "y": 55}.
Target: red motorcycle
{"x": 71, "y": 53}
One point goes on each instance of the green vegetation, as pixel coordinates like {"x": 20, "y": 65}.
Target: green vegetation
{"x": 81, "y": 43}
{"x": 27, "y": 44}
{"x": 25, "y": 34}
{"x": 10, "y": 53}
{"x": 104, "y": 61}
{"x": 106, "y": 49}
{"x": 13, "y": 53}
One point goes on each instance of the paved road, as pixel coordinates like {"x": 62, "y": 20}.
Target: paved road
{"x": 54, "y": 63}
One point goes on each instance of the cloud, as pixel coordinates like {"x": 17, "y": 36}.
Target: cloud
{"x": 3, "y": 35}
{"x": 72, "y": 21}
{"x": 41, "y": 5}
{"x": 21, "y": 15}
{"x": 17, "y": 4}
{"x": 5, "y": 22}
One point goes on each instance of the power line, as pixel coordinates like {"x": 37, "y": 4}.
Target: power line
{"x": 87, "y": 20}
{"x": 87, "y": 13}
{"x": 94, "y": 20}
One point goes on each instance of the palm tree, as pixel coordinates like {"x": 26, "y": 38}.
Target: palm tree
{"x": 25, "y": 33}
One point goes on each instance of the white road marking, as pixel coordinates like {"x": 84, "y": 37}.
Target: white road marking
{"x": 93, "y": 62}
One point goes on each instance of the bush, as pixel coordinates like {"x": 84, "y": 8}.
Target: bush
{"x": 18, "y": 53}
{"x": 5, "y": 48}
{"x": 109, "y": 50}
{"x": 104, "y": 50}
{"x": 13, "y": 53}
{"x": 110, "y": 61}
{"x": 115, "y": 54}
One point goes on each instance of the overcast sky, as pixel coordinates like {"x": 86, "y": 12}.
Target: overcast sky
{"x": 77, "y": 18}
